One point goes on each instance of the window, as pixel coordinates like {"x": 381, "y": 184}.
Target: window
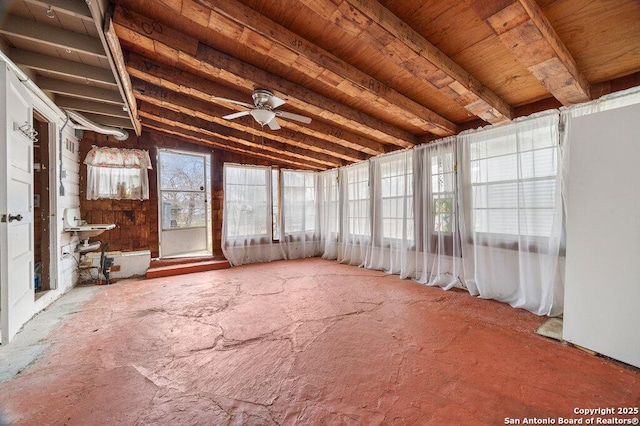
{"x": 183, "y": 196}
{"x": 117, "y": 173}
{"x": 275, "y": 208}
{"x": 396, "y": 191}
{"x": 248, "y": 207}
{"x": 513, "y": 182}
{"x": 329, "y": 204}
{"x": 299, "y": 208}
{"x": 358, "y": 199}
{"x": 442, "y": 192}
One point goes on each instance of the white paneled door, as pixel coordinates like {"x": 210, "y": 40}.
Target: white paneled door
{"x": 16, "y": 206}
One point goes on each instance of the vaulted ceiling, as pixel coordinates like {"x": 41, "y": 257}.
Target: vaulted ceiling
{"x": 374, "y": 76}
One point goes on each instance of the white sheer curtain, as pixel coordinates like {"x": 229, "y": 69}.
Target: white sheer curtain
{"x": 117, "y": 173}
{"x": 437, "y": 255}
{"x": 299, "y": 216}
{"x": 329, "y": 213}
{"x": 511, "y": 207}
{"x": 355, "y": 217}
{"x": 392, "y": 214}
{"x": 247, "y": 218}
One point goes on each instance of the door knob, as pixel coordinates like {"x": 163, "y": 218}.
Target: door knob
{"x": 17, "y": 217}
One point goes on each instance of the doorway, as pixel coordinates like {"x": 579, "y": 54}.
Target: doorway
{"x": 41, "y": 207}
{"x": 184, "y": 194}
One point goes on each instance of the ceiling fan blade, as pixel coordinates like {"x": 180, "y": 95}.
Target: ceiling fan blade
{"x": 236, "y": 115}
{"x": 273, "y": 124}
{"x": 274, "y": 102}
{"x": 292, "y": 116}
{"x": 244, "y": 104}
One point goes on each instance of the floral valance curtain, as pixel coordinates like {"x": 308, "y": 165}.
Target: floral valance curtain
{"x": 118, "y": 158}
{"x": 117, "y": 173}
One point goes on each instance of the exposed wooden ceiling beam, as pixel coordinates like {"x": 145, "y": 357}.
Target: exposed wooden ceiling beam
{"x": 106, "y": 120}
{"x": 265, "y": 36}
{"x": 527, "y": 33}
{"x": 61, "y": 67}
{"x": 184, "y": 121}
{"x": 174, "y": 48}
{"x": 81, "y": 91}
{"x": 380, "y": 28}
{"x": 113, "y": 44}
{"x": 52, "y": 36}
{"x": 164, "y": 130}
{"x": 189, "y": 107}
{"x": 350, "y": 146}
{"x": 92, "y": 107}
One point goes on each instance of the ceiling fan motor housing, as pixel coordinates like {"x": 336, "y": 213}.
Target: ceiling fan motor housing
{"x": 261, "y": 98}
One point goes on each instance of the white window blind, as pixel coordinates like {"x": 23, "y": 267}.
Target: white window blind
{"x": 513, "y": 181}
{"x": 396, "y": 196}
{"x": 358, "y": 200}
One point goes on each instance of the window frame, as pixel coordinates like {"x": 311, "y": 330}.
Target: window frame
{"x": 267, "y": 235}
{"x": 408, "y": 235}
{"x": 510, "y": 240}
{"x": 357, "y": 237}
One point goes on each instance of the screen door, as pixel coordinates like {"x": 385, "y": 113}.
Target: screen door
{"x": 185, "y": 218}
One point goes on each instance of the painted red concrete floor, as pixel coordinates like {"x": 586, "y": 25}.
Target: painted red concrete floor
{"x": 306, "y": 342}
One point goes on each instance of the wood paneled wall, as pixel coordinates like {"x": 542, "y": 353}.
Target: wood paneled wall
{"x": 137, "y": 221}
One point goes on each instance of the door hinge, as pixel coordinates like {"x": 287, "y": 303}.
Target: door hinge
{"x": 4, "y": 218}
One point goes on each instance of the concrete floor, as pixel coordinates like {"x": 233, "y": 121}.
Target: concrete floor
{"x": 304, "y": 342}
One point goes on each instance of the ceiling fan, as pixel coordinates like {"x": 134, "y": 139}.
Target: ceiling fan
{"x": 262, "y": 110}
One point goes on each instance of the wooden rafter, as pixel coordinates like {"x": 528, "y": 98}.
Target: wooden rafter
{"x": 68, "y": 7}
{"x": 52, "y": 36}
{"x": 344, "y": 144}
{"x": 234, "y": 20}
{"x": 61, "y": 67}
{"x": 198, "y": 138}
{"x": 81, "y": 91}
{"x": 200, "y": 125}
{"x": 379, "y": 27}
{"x": 116, "y": 53}
{"x": 109, "y": 121}
{"x": 212, "y": 114}
{"x": 175, "y": 48}
{"x": 83, "y": 105}
{"x": 527, "y": 33}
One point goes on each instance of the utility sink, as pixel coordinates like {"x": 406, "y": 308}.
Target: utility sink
{"x": 73, "y": 223}
{"x": 85, "y": 232}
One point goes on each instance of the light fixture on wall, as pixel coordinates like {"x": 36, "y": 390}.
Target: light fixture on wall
{"x": 263, "y": 116}
{"x": 50, "y": 13}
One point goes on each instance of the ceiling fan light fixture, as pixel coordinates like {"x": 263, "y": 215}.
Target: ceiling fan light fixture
{"x": 263, "y": 116}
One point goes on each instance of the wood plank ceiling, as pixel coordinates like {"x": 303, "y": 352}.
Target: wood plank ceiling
{"x": 374, "y": 76}
{"x": 58, "y": 44}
